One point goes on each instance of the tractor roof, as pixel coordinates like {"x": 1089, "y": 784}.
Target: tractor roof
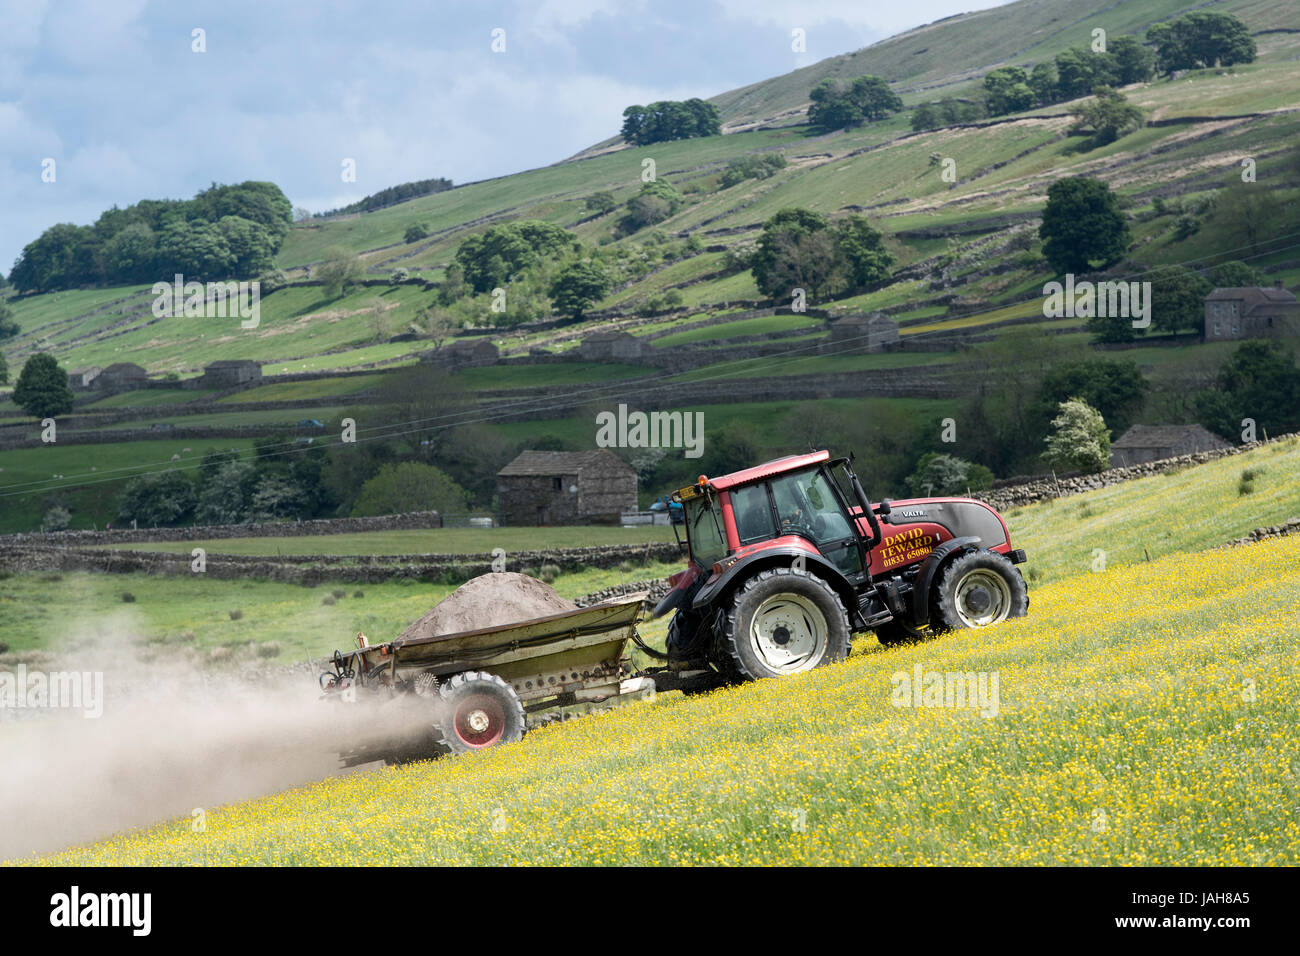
{"x": 778, "y": 467}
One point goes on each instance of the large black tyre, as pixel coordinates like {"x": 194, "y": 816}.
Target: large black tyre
{"x": 782, "y": 621}
{"x": 977, "y": 589}
{"x": 686, "y": 640}
{"x": 479, "y": 711}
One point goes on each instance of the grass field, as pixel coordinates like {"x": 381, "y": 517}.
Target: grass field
{"x": 1142, "y": 716}
{"x": 62, "y": 612}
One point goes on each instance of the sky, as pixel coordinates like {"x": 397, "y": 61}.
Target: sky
{"x": 118, "y": 95}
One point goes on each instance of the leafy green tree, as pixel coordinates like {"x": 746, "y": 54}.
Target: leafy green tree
{"x": 838, "y": 103}
{"x": 752, "y": 167}
{"x": 224, "y": 494}
{"x": 252, "y": 246}
{"x": 4, "y": 370}
{"x": 1115, "y": 389}
{"x": 1233, "y": 275}
{"x": 195, "y": 249}
{"x": 600, "y": 202}
{"x": 1045, "y": 83}
{"x": 1008, "y": 91}
{"x": 1079, "y": 71}
{"x": 578, "y": 285}
{"x": 940, "y": 474}
{"x": 8, "y": 326}
{"x": 655, "y": 202}
{"x": 1178, "y": 298}
{"x": 132, "y": 254}
{"x": 341, "y": 270}
{"x": 1201, "y": 39}
{"x": 415, "y": 232}
{"x": 1260, "y": 381}
{"x": 1134, "y": 63}
{"x": 410, "y": 486}
{"x": 797, "y": 250}
{"x": 490, "y": 259}
{"x": 1079, "y": 440}
{"x": 1082, "y": 225}
{"x": 42, "y": 388}
{"x": 863, "y": 249}
{"x": 276, "y": 498}
{"x": 157, "y": 501}
{"x": 453, "y": 287}
{"x": 1109, "y": 115}
{"x": 670, "y": 120}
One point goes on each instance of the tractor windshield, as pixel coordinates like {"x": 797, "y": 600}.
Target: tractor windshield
{"x": 704, "y": 530}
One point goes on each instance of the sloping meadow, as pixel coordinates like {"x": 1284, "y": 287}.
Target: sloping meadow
{"x": 1142, "y": 714}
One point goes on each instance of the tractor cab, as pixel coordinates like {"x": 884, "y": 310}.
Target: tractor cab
{"x": 789, "y": 558}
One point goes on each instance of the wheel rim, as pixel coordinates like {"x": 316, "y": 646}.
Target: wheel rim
{"x": 788, "y": 633}
{"x": 480, "y": 721}
{"x": 983, "y": 598}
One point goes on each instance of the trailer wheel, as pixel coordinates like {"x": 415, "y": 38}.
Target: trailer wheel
{"x": 783, "y": 621}
{"x": 478, "y": 711}
{"x": 977, "y": 589}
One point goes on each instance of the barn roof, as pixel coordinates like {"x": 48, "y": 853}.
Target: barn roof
{"x": 563, "y": 463}
{"x": 1166, "y": 436}
{"x": 125, "y": 367}
{"x": 1254, "y": 297}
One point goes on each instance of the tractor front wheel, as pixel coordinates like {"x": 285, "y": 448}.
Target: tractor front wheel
{"x": 783, "y": 621}
{"x": 977, "y": 589}
{"x": 478, "y": 711}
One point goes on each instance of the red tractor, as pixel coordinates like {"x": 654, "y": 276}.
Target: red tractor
{"x": 790, "y": 558}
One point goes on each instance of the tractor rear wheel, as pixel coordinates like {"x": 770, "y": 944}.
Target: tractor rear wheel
{"x": 977, "y": 589}
{"x": 783, "y": 621}
{"x": 479, "y": 710}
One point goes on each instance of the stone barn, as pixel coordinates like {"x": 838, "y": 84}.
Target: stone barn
{"x": 83, "y": 378}
{"x": 863, "y": 333}
{"x": 566, "y": 487}
{"x": 1250, "y": 313}
{"x": 1143, "y": 443}
{"x": 612, "y": 347}
{"x": 121, "y": 375}
{"x": 464, "y": 353}
{"x": 231, "y": 373}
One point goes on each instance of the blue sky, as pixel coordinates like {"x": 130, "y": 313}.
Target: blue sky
{"x": 113, "y": 93}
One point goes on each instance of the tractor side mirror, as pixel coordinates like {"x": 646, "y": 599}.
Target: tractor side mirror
{"x": 885, "y": 508}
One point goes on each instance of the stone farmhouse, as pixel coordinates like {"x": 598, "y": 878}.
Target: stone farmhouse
{"x": 1250, "y": 313}
{"x": 566, "y": 487}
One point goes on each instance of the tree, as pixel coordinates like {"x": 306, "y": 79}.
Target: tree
{"x": 655, "y": 202}
{"x": 1201, "y": 39}
{"x": 940, "y": 474}
{"x": 838, "y": 103}
{"x": 276, "y": 498}
{"x": 863, "y": 250}
{"x": 340, "y": 271}
{"x": 751, "y": 167}
{"x": 600, "y": 202}
{"x": 42, "y": 388}
{"x": 1178, "y": 298}
{"x": 1109, "y": 115}
{"x": 1079, "y": 71}
{"x": 1044, "y": 81}
{"x": 578, "y": 285}
{"x": 1233, "y": 275}
{"x": 224, "y": 492}
{"x": 1259, "y": 381}
{"x": 669, "y": 120}
{"x": 491, "y": 259}
{"x": 1079, "y": 440}
{"x": 8, "y": 327}
{"x": 1082, "y": 225}
{"x": 1134, "y": 63}
{"x": 157, "y": 501}
{"x": 1008, "y": 91}
{"x": 1116, "y": 389}
{"x": 410, "y": 486}
{"x": 4, "y": 370}
{"x": 415, "y": 232}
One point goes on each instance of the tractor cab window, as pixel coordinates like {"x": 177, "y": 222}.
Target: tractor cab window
{"x": 753, "y": 514}
{"x": 704, "y": 530}
{"x": 807, "y": 504}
